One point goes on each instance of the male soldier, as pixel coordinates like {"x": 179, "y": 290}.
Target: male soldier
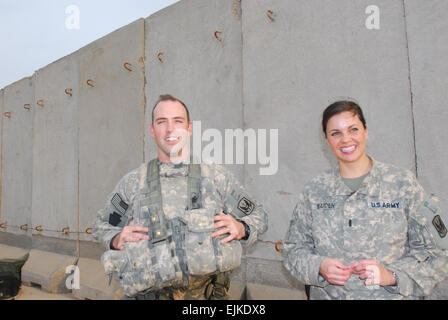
{"x": 174, "y": 229}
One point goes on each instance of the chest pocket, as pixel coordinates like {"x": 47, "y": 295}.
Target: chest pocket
{"x": 388, "y": 220}
{"x": 326, "y": 226}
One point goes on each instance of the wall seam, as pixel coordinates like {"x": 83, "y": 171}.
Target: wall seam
{"x": 76, "y": 63}
{"x": 410, "y": 87}
{"x": 242, "y": 87}
{"x": 2, "y": 104}
{"x": 243, "y": 125}
{"x": 33, "y": 81}
{"x": 144, "y": 89}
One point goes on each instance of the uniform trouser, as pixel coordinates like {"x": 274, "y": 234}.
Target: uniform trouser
{"x": 213, "y": 287}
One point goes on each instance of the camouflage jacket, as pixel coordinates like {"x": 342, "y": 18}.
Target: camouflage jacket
{"x": 381, "y": 221}
{"x": 219, "y": 187}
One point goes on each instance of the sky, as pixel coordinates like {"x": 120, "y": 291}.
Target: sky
{"x": 34, "y": 33}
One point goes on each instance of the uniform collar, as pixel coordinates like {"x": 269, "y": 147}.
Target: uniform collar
{"x": 181, "y": 169}
{"x": 370, "y": 186}
{"x": 168, "y": 169}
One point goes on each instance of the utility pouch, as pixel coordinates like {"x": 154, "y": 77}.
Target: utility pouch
{"x": 206, "y": 255}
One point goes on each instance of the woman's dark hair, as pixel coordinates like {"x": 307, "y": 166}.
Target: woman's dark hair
{"x": 339, "y": 107}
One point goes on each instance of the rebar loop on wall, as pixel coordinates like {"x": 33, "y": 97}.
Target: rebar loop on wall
{"x": 7, "y": 114}
{"x": 27, "y": 106}
{"x": 90, "y": 83}
{"x": 40, "y": 228}
{"x": 269, "y": 14}
{"x": 276, "y": 244}
{"x": 218, "y": 37}
{"x": 40, "y": 103}
{"x": 159, "y": 56}
{"x": 127, "y": 66}
{"x": 69, "y": 92}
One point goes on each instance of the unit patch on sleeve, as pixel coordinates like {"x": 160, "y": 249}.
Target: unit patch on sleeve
{"x": 440, "y": 226}
{"x": 246, "y": 206}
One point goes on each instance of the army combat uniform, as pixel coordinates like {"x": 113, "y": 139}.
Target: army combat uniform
{"x": 177, "y": 202}
{"x": 383, "y": 220}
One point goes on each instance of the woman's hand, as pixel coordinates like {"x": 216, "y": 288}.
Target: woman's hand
{"x": 334, "y": 271}
{"x": 373, "y": 273}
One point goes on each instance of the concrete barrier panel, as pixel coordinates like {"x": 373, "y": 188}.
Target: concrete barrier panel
{"x": 14, "y": 253}
{"x": 94, "y": 283}
{"x": 55, "y": 150}
{"x": 47, "y": 270}
{"x": 428, "y": 49}
{"x": 257, "y": 291}
{"x": 110, "y": 116}
{"x": 300, "y": 56}
{"x": 193, "y": 51}
{"x": 17, "y": 157}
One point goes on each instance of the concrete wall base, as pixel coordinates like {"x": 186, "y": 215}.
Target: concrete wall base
{"x": 47, "y": 270}
{"x": 15, "y": 253}
{"x": 257, "y": 291}
{"x": 237, "y": 290}
{"x": 94, "y": 283}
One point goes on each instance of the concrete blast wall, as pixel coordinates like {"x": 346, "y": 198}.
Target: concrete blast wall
{"x": 250, "y": 65}
{"x": 16, "y": 170}
{"x": 428, "y": 45}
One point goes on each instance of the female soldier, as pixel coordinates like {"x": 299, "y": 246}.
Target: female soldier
{"x": 359, "y": 230}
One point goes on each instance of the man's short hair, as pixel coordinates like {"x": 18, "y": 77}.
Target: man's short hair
{"x": 168, "y": 97}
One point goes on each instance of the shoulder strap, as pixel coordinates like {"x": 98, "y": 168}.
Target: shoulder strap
{"x": 194, "y": 186}
{"x": 153, "y": 175}
{"x": 194, "y": 183}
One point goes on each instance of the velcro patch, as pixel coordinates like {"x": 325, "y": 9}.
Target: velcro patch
{"x": 440, "y": 226}
{"x": 246, "y": 206}
{"x": 114, "y": 219}
{"x": 119, "y": 204}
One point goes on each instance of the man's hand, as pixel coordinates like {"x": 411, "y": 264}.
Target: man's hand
{"x": 130, "y": 233}
{"x": 334, "y": 271}
{"x": 228, "y": 225}
{"x": 373, "y": 273}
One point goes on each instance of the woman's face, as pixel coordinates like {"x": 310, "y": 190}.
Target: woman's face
{"x": 347, "y": 137}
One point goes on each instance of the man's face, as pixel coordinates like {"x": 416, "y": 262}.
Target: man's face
{"x": 171, "y": 130}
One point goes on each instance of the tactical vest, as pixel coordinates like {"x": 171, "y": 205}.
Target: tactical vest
{"x": 178, "y": 248}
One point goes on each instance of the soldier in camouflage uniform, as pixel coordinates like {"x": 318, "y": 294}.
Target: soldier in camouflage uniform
{"x": 166, "y": 241}
{"x": 361, "y": 230}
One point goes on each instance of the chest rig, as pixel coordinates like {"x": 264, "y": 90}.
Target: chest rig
{"x": 152, "y": 203}
{"x": 179, "y": 247}
{"x": 168, "y": 234}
